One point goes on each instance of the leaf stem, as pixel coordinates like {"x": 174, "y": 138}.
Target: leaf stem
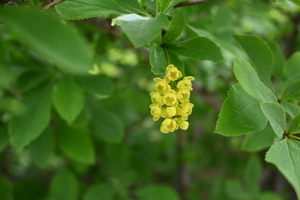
{"x": 167, "y": 55}
{"x": 191, "y": 3}
{"x": 294, "y": 137}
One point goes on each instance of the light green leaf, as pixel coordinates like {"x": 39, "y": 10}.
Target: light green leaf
{"x": 296, "y": 2}
{"x": 240, "y": 114}
{"x": 175, "y": 29}
{"x": 28, "y": 126}
{"x": 252, "y": 174}
{"x": 82, "y": 9}
{"x": 37, "y": 30}
{"x": 260, "y": 55}
{"x": 4, "y": 139}
{"x": 165, "y": 5}
{"x": 291, "y": 108}
{"x": 294, "y": 124}
{"x": 257, "y": 141}
{"x": 279, "y": 60}
{"x": 76, "y": 144}
{"x": 158, "y": 60}
{"x": 285, "y": 156}
{"x": 198, "y": 48}
{"x": 41, "y": 148}
{"x": 276, "y": 116}
{"x": 291, "y": 91}
{"x": 157, "y": 192}
{"x": 291, "y": 69}
{"x": 141, "y": 30}
{"x": 98, "y": 192}
{"x": 64, "y": 186}
{"x": 97, "y": 84}
{"x": 132, "y": 6}
{"x": 249, "y": 80}
{"x": 68, "y": 99}
{"x": 106, "y": 126}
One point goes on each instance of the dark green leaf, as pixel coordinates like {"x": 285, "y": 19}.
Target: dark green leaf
{"x": 198, "y": 48}
{"x": 291, "y": 108}
{"x": 173, "y": 59}
{"x": 252, "y": 174}
{"x": 98, "y": 192}
{"x": 76, "y": 144}
{"x": 64, "y": 186}
{"x": 269, "y": 195}
{"x": 285, "y": 156}
{"x": 37, "y": 30}
{"x": 97, "y": 84}
{"x": 31, "y": 79}
{"x": 245, "y": 117}
{"x": 175, "y": 29}
{"x": 4, "y": 139}
{"x": 256, "y": 141}
{"x": 141, "y": 30}
{"x": 158, "y": 60}
{"x": 291, "y": 70}
{"x": 41, "y": 148}
{"x": 68, "y": 99}
{"x": 249, "y": 80}
{"x": 294, "y": 124}
{"x": 276, "y": 116}
{"x": 260, "y": 55}
{"x": 5, "y": 189}
{"x": 291, "y": 91}
{"x": 82, "y": 9}
{"x": 106, "y": 125}
{"x": 157, "y": 192}
{"x": 279, "y": 60}
{"x": 28, "y": 126}
{"x": 234, "y": 189}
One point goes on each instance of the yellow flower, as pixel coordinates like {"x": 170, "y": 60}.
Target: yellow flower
{"x": 161, "y": 85}
{"x": 156, "y": 98}
{"x": 168, "y": 125}
{"x": 183, "y": 95}
{"x": 172, "y": 73}
{"x": 184, "y": 125}
{"x": 171, "y": 111}
{"x": 170, "y": 98}
{"x": 186, "y": 83}
{"x": 186, "y": 110}
{"x": 155, "y": 112}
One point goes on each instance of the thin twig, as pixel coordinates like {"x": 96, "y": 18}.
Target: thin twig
{"x": 191, "y": 3}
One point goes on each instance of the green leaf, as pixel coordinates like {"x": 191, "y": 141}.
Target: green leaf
{"x": 82, "y": 9}
{"x": 279, "y": 60}
{"x": 28, "y": 126}
{"x": 158, "y": 60}
{"x": 249, "y": 80}
{"x": 106, "y": 126}
{"x": 285, "y": 156}
{"x": 252, "y": 174}
{"x": 175, "y": 29}
{"x": 141, "y": 30}
{"x": 37, "y": 30}
{"x": 165, "y": 5}
{"x": 294, "y": 124}
{"x": 64, "y": 185}
{"x": 4, "y": 138}
{"x": 41, "y": 148}
{"x": 157, "y": 192}
{"x": 132, "y": 6}
{"x": 97, "y": 192}
{"x": 276, "y": 116}
{"x": 97, "y": 84}
{"x": 257, "y": 141}
{"x": 198, "y": 48}
{"x": 240, "y": 114}
{"x": 173, "y": 59}
{"x": 269, "y": 196}
{"x": 260, "y": 55}
{"x": 291, "y": 91}
{"x": 291, "y": 69}
{"x": 291, "y": 108}
{"x": 234, "y": 189}
{"x": 76, "y": 144}
{"x": 68, "y": 99}
{"x": 5, "y": 189}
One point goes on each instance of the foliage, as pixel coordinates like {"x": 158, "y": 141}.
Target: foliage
{"x": 75, "y": 121}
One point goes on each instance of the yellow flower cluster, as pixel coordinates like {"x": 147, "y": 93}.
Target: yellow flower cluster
{"x": 172, "y": 100}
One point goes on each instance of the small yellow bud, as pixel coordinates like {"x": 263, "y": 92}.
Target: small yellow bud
{"x": 172, "y": 73}
{"x": 156, "y": 98}
{"x": 155, "y": 112}
{"x": 184, "y": 125}
{"x": 171, "y": 111}
{"x": 186, "y": 83}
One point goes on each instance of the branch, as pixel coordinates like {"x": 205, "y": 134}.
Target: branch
{"x": 191, "y": 3}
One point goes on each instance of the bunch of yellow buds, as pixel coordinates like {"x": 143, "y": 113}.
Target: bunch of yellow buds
{"x": 171, "y": 100}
